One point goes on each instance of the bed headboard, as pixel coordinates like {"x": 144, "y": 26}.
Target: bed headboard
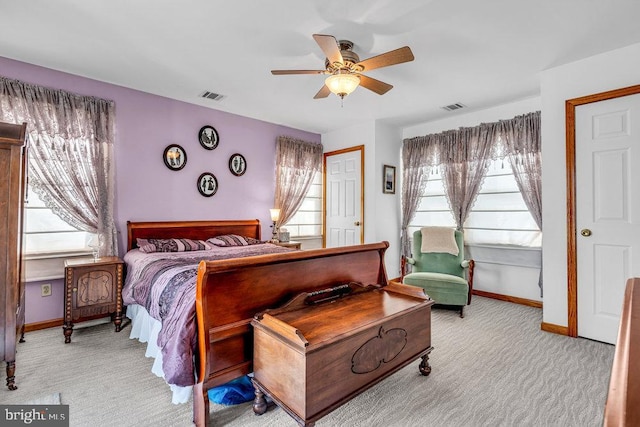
{"x": 190, "y": 229}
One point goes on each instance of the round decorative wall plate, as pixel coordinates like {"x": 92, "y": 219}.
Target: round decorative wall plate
{"x": 207, "y": 184}
{"x": 208, "y": 137}
{"x": 237, "y": 164}
{"x": 174, "y": 157}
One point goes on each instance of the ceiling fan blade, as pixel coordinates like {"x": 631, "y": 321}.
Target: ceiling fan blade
{"x": 329, "y": 46}
{"x": 323, "y": 92}
{"x": 374, "y": 85}
{"x": 392, "y": 57}
{"x": 282, "y": 72}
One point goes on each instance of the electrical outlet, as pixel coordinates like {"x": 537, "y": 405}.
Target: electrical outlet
{"x": 46, "y": 290}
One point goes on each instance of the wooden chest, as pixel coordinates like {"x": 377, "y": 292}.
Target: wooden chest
{"x": 311, "y": 357}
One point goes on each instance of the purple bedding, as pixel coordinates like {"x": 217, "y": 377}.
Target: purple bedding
{"x": 164, "y": 283}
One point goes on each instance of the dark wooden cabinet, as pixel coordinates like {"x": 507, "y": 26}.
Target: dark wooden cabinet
{"x": 12, "y": 193}
{"x": 92, "y": 289}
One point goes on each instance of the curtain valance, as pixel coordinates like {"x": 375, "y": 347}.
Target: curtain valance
{"x": 56, "y": 112}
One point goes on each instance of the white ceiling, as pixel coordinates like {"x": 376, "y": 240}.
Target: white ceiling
{"x": 479, "y": 53}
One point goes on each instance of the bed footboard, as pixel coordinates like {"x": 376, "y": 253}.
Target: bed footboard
{"x": 230, "y": 292}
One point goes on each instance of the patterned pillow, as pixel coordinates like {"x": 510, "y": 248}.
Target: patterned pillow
{"x": 172, "y": 245}
{"x": 233, "y": 240}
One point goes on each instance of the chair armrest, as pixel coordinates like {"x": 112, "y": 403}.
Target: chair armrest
{"x": 403, "y": 264}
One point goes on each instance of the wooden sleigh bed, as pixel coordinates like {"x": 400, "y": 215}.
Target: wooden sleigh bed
{"x": 230, "y": 292}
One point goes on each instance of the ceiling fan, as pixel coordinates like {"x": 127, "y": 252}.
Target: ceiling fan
{"x": 345, "y": 68}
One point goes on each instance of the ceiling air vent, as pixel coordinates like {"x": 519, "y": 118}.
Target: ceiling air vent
{"x": 454, "y": 107}
{"x": 211, "y": 95}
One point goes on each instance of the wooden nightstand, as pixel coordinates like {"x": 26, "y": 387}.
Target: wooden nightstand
{"x": 291, "y": 244}
{"x": 92, "y": 290}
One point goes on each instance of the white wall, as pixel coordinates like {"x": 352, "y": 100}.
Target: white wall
{"x": 518, "y": 276}
{"x": 380, "y": 213}
{"x": 388, "y": 146}
{"x": 612, "y": 70}
{"x": 474, "y": 118}
{"x": 362, "y": 134}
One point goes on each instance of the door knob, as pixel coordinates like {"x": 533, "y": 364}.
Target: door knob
{"x": 357, "y": 223}
{"x": 585, "y": 232}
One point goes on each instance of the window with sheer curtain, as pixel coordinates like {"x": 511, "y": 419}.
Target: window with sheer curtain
{"x": 298, "y": 171}
{"x": 499, "y": 215}
{"x": 307, "y": 221}
{"x": 485, "y": 180}
{"x": 70, "y": 166}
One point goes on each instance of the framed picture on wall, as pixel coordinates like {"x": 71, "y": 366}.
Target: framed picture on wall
{"x": 389, "y": 179}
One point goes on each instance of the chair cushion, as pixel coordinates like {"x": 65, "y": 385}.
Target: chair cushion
{"x": 441, "y": 288}
{"x": 437, "y": 280}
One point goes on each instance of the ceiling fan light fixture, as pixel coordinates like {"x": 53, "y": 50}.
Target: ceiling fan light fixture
{"x": 345, "y": 69}
{"x": 342, "y": 84}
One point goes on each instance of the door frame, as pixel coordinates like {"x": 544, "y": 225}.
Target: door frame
{"x": 572, "y": 256}
{"x": 324, "y": 190}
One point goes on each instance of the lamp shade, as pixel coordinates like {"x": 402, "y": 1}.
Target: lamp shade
{"x": 275, "y": 214}
{"x": 342, "y": 84}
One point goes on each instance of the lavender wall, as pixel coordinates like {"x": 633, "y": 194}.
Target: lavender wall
{"x": 145, "y": 124}
{"x": 146, "y": 190}
{"x": 42, "y": 309}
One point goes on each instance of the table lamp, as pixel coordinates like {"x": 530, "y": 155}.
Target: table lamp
{"x": 275, "y": 215}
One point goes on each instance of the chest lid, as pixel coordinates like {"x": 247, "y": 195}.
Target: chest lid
{"x": 310, "y": 324}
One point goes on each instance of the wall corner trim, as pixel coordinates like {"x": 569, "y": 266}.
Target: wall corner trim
{"x": 554, "y": 329}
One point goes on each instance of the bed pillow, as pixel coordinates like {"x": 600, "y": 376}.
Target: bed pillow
{"x": 233, "y": 240}
{"x": 172, "y": 245}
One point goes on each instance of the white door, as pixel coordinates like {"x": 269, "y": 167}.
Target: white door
{"x": 607, "y": 211}
{"x": 343, "y": 183}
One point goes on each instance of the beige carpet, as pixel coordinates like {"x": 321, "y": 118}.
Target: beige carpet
{"x": 492, "y": 368}
{"x": 49, "y": 399}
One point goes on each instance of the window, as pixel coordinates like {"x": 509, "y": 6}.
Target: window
{"x": 46, "y": 233}
{"x": 499, "y": 214}
{"x": 307, "y": 221}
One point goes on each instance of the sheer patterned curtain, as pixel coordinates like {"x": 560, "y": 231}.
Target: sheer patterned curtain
{"x": 465, "y": 155}
{"x": 521, "y": 136}
{"x": 297, "y": 162}
{"x": 71, "y": 152}
{"x": 415, "y": 173}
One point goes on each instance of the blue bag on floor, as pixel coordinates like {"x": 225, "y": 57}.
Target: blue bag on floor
{"x": 235, "y": 391}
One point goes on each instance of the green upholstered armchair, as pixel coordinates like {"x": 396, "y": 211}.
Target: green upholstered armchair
{"x": 442, "y": 275}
